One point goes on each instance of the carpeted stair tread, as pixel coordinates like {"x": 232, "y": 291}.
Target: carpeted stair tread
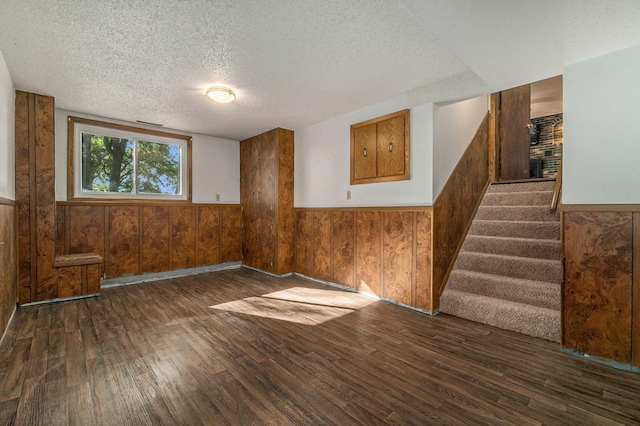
{"x": 508, "y": 271}
{"x": 521, "y": 187}
{"x": 522, "y": 318}
{"x": 532, "y": 198}
{"x": 548, "y": 270}
{"x": 516, "y": 229}
{"x": 517, "y": 213}
{"x": 536, "y": 293}
{"x": 509, "y": 246}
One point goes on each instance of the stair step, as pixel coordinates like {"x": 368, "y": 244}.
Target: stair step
{"x": 522, "y": 247}
{"x": 521, "y": 187}
{"x": 516, "y": 229}
{"x": 517, "y": 267}
{"x": 522, "y": 318}
{"x": 517, "y": 213}
{"x": 538, "y": 198}
{"x": 536, "y": 293}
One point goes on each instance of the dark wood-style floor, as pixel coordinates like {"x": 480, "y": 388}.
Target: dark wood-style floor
{"x": 240, "y": 347}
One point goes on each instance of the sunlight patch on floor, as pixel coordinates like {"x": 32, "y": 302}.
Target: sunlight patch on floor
{"x": 301, "y": 305}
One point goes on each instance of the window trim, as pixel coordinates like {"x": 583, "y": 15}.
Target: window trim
{"x": 72, "y": 158}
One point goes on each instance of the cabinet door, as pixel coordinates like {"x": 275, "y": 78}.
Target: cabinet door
{"x": 390, "y": 142}
{"x": 364, "y": 155}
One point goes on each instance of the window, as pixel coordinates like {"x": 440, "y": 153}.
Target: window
{"x": 114, "y": 161}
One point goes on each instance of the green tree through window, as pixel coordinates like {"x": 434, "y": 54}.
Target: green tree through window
{"x": 122, "y": 165}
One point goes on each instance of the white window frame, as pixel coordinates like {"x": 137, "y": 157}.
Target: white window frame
{"x": 95, "y": 129}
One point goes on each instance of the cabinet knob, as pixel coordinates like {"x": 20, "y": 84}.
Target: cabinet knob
{"x": 364, "y": 152}
{"x": 390, "y": 146}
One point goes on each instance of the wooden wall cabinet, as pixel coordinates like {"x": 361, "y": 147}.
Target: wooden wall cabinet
{"x": 380, "y": 149}
{"x": 266, "y": 195}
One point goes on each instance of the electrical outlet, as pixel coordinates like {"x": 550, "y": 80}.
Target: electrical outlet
{"x": 217, "y": 197}
{"x": 348, "y": 195}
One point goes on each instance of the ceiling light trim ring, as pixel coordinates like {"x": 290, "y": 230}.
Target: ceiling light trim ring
{"x": 220, "y": 94}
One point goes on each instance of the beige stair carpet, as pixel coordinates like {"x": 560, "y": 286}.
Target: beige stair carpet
{"x": 508, "y": 272}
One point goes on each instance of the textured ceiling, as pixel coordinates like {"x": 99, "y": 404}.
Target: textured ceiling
{"x": 293, "y": 63}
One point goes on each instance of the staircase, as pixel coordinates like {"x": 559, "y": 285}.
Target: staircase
{"x": 508, "y": 272}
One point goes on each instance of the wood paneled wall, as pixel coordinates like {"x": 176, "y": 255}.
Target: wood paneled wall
{"x": 386, "y": 252}
{"x": 8, "y": 274}
{"x": 35, "y": 197}
{"x": 140, "y": 238}
{"x": 601, "y": 294}
{"x": 454, "y": 208}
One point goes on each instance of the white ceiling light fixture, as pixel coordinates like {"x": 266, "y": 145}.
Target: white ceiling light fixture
{"x": 221, "y": 94}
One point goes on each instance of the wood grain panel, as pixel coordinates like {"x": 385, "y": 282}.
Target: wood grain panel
{"x": 156, "y": 251}
{"x": 24, "y": 181}
{"x": 598, "y": 284}
{"x": 69, "y": 281}
{"x": 441, "y": 252}
{"x": 515, "y": 111}
{"x": 208, "y": 235}
{"x": 390, "y": 143}
{"x": 249, "y": 233}
{"x": 8, "y": 273}
{"x": 266, "y": 195}
{"x": 304, "y": 243}
{"x": 195, "y": 240}
{"x": 344, "y": 227}
{"x": 266, "y": 149}
{"x": 61, "y": 232}
{"x": 231, "y": 234}
{"x": 86, "y": 229}
{"x": 635, "y": 309}
{"x": 364, "y": 152}
{"x": 183, "y": 235}
{"x": 369, "y": 252}
{"x": 454, "y": 207}
{"x": 47, "y": 281}
{"x": 322, "y": 245}
{"x": 286, "y": 215}
{"x": 94, "y": 273}
{"x": 397, "y": 260}
{"x": 423, "y": 261}
{"x": 124, "y": 246}
{"x": 264, "y": 249}
{"x": 493, "y": 138}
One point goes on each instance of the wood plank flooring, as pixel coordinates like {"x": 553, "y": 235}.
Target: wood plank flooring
{"x": 240, "y": 347}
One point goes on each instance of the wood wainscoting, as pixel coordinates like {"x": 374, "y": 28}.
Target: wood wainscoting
{"x": 601, "y": 295}
{"x": 8, "y": 263}
{"x": 384, "y": 251}
{"x": 135, "y": 238}
{"x": 456, "y": 204}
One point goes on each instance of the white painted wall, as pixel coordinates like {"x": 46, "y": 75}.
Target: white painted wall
{"x": 215, "y": 163}
{"x": 216, "y": 169}
{"x": 601, "y": 150}
{"x": 7, "y": 133}
{"x": 322, "y": 155}
{"x": 454, "y": 126}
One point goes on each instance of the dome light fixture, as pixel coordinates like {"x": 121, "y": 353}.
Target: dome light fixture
{"x": 221, "y": 94}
